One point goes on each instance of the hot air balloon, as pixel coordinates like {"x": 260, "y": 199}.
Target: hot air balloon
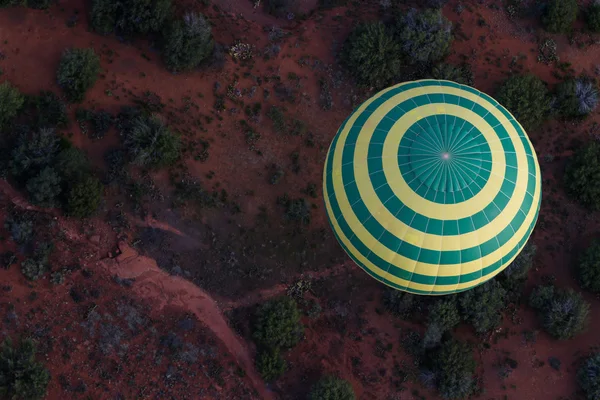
{"x": 432, "y": 187}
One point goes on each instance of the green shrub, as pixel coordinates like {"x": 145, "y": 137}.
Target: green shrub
{"x": 482, "y": 307}
{"x": 563, "y": 313}
{"x": 582, "y": 176}
{"x": 593, "y": 17}
{"x": 560, "y": 15}
{"x": 20, "y": 227}
{"x": 588, "y": 377}
{"x": 399, "y": 303}
{"x": 332, "y": 388}
{"x": 72, "y": 164}
{"x": 588, "y": 268}
{"x": 128, "y": 17}
{"x": 8, "y": 3}
{"x": 151, "y": 144}
{"x": 514, "y": 276}
{"x": 78, "y": 72}
{"x": 270, "y": 364}
{"x": 33, "y": 269}
{"x": 39, "y": 4}
{"x": 278, "y": 324}
{"x": 425, "y": 36}
{"x": 576, "y": 97}
{"x": 11, "y": 101}
{"x": 21, "y": 376}
{"x": 526, "y": 97}
{"x": 187, "y": 42}
{"x": 84, "y": 197}
{"x": 372, "y": 55}
{"x": 44, "y": 188}
{"x": 453, "y": 367}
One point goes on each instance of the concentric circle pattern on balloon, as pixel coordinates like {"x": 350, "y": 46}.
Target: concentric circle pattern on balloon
{"x": 432, "y": 187}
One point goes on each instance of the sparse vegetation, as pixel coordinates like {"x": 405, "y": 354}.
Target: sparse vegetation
{"x": 372, "y": 55}
{"x": 187, "y": 42}
{"x": 560, "y": 15}
{"x": 582, "y": 175}
{"x": 78, "y": 72}
{"x": 424, "y": 36}
{"x": 332, "y": 388}
{"x": 562, "y": 312}
{"x": 526, "y": 97}
{"x": 21, "y": 376}
{"x": 588, "y": 268}
{"x": 270, "y": 364}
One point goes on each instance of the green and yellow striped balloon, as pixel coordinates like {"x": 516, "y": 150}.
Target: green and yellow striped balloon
{"x": 432, "y": 187}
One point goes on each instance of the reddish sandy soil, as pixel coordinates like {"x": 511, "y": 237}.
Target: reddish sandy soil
{"x": 163, "y": 333}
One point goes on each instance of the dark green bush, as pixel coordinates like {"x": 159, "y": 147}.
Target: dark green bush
{"x": 593, "y": 17}
{"x": 452, "y": 369}
{"x": 8, "y": 3}
{"x": 576, "y": 97}
{"x": 270, "y": 364}
{"x": 128, "y": 17}
{"x": 560, "y": 15}
{"x": 151, "y": 144}
{"x": 563, "y": 313}
{"x": 582, "y": 176}
{"x": 443, "y": 317}
{"x": 482, "y": 307}
{"x": 48, "y": 111}
{"x": 425, "y": 36}
{"x": 11, "y": 101}
{"x": 514, "y": 276}
{"x": 278, "y": 324}
{"x": 588, "y": 268}
{"x": 21, "y": 376}
{"x": 20, "y": 227}
{"x": 44, "y": 188}
{"x": 72, "y": 164}
{"x": 332, "y": 388}
{"x": 280, "y": 8}
{"x": 449, "y": 72}
{"x": 187, "y": 42}
{"x": 84, "y": 197}
{"x": 78, "y": 72}
{"x": 39, "y": 4}
{"x": 401, "y": 304}
{"x": 372, "y": 55}
{"x": 32, "y": 152}
{"x": 526, "y": 97}
{"x": 588, "y": 377}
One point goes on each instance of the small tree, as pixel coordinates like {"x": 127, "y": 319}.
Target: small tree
{"x": 399, "y": 303}
{"x": 482, "y": 307}
{"x": 526, "y": 97}
{"x": 49, "y": 111}
{"x": 582, "y": 175}
{"x": 576, "y": 97}
{"x": 44, "y": 188}
{"x": 11, "y": 101}
{"x": 21, "y": 376}
{"x": 372, "y": 55}
{"x": 453, "y": 368}
{"x": 270, "y": 364}
{"x": 151, "y": 144}
{"x": 84, "y": 197}
{"x": 443, "y": 316}
{"x": 280, "y": 8}
{"x": 425, "y": 36}
{"x": 278, "y": 324}
{"x": 560, "y": 15}
{"x": 187, "y": 42}
{"x": 332, "y": 388}
{"x": 78, "y": 72}
{"x": 588, "y": 377}
{"x": 593, "y": 17}
{"x": 449, "y": 72}
{"x": 588, "y": 268}
{"x": 563, "y": 313}
{"x": 33, "y": 151}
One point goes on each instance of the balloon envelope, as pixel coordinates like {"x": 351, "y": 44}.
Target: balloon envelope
{"x": 432, "y": 187}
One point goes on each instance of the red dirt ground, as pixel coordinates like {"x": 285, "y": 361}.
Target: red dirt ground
{"x": 237, "y": 260}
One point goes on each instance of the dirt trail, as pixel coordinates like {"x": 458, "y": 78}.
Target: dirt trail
{"x": 164, "y": 290}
